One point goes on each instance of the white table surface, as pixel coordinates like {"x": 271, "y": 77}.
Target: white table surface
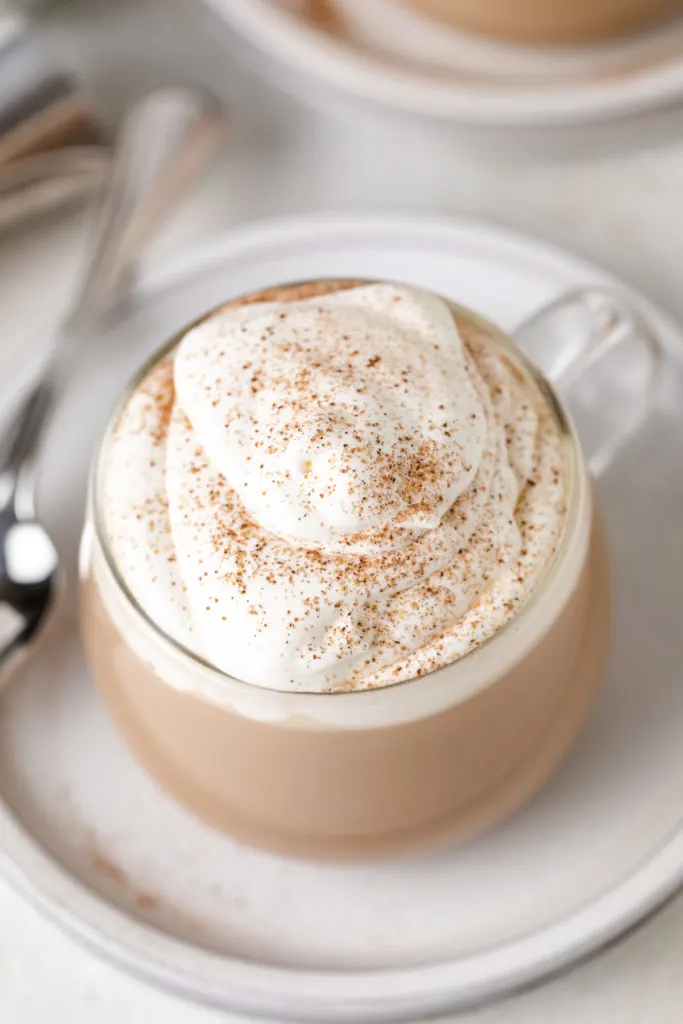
{"x": 626, "y": 212}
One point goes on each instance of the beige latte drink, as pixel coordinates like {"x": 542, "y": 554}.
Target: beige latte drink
{"x": 550, "y": 21}
{"x": 345, "y": 587}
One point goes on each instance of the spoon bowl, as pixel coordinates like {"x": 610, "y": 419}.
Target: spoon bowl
{"x": 29, "y": 581}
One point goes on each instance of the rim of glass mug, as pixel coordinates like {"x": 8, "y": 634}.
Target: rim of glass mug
{"x": 403, "y": 701}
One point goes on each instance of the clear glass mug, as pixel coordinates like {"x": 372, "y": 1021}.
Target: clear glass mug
{"x": 424, "y": 761}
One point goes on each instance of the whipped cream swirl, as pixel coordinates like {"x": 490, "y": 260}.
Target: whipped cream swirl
{"x": 336, "y": 491}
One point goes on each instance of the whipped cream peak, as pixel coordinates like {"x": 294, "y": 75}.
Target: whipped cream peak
{"x": 336, "y": 416}
{"x": 337, "y": 490}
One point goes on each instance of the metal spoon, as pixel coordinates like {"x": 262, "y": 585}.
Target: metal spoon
{"x": 164, "y": 144}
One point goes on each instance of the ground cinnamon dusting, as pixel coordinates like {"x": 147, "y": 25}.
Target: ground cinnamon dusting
{"x": 241, "y": 552}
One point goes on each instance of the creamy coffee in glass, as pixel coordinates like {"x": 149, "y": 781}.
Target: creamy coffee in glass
{"x": 345, "y": 586}
{"x": 550, "y": 21}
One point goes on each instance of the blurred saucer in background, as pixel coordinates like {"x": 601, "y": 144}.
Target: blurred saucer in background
{"x": 385, "y": 57}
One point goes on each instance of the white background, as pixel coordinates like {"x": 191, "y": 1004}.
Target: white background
{"x": 625, "y": 211}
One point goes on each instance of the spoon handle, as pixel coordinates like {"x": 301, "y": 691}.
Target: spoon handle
{"x": 165, "y": 142}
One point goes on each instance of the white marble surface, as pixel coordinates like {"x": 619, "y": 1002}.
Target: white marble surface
{"x": 626, "y": 212}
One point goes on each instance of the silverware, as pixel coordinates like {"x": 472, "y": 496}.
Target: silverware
{"x": 165, "y": 142}
{"x": 51, "y": 139}
{"x": 42, "y": 104}
{"x": 43, "y": 181}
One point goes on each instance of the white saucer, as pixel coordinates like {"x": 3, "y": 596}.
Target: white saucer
{"x": 92, "y": 842}
{"x": 386, "y": 56}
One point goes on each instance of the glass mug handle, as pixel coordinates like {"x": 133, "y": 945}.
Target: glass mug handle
{"x": 604, "y": 358}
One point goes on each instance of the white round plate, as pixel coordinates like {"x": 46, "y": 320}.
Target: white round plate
{"x": 93, "y": 842}
{"x": 391, "y": 57}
